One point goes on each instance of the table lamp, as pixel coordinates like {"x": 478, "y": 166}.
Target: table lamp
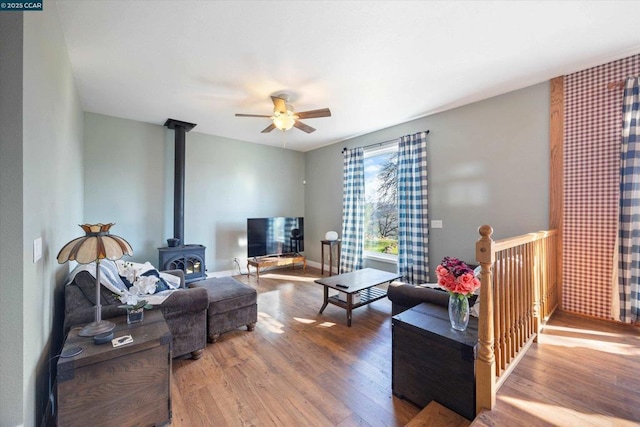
{"x": 96, "y": 245}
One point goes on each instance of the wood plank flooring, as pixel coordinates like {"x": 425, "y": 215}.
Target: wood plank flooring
{"x": 582, "y": 372}
{"x": 436, "y": 415}
{"x": 298, "y": 368}
{"x": 301, "y": 368}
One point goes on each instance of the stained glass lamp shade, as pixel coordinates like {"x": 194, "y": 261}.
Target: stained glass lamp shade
{"x": 96, "y": 245}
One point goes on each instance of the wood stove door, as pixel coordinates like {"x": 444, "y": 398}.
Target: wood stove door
{"x": 192, "y": 265}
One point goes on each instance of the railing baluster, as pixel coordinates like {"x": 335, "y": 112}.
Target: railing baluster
{"x": 519, "y": 292}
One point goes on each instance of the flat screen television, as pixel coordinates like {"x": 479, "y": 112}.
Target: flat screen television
{"x": 274, "y": 236}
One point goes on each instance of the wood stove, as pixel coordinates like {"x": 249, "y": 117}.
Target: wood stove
{"x": 188, "y": 258}
{"x": 178, "y": 256}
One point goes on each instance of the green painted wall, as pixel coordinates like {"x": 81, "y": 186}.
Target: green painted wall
{"x": 488, "y": 163}
{"x": 129, "y": 180}
{"x": 41, "y": 183}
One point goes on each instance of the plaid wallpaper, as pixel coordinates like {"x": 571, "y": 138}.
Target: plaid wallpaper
{"x": 592, "y": 132}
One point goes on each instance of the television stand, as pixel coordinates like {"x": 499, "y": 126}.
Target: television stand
{"x": 275, "y": 261}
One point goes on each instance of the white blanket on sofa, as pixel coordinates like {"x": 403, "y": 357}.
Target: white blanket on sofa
{"x": 110, "y": 279}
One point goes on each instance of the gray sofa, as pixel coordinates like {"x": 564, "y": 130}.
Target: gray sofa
{"x": 185, "y": 311}
{"x": 403, "y": 296}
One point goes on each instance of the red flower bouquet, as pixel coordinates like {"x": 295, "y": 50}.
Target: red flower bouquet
{"x": 457, "y": 277}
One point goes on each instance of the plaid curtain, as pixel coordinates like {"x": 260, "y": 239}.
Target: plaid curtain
{"x": 629, "y": 221}
{"x": 413, "y": 229}
{"x": 352, "y": 210}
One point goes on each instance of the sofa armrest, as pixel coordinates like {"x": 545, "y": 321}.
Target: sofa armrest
{"x": 177, "y": 273}
{"x": 409, "y": 296}
{"x": 404, "y": 296}
{"x": 190, "y": 300}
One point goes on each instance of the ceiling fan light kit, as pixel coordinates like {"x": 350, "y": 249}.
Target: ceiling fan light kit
{"x": 284, "y": 118}
{"x": 284, "y": 121}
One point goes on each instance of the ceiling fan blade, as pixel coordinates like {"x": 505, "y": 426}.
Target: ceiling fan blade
{"x": 279, "y": 104}
{"x": 251, "y": 115}
{"x": 323, "y": 112}
{"x": 305, "y": 128}
{"x": 269, "y": 128}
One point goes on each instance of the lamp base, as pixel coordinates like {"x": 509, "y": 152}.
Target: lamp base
{"x": 96, "y": 328}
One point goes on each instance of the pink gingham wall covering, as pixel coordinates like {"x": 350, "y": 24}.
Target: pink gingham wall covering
{"x": 593, "y": 115}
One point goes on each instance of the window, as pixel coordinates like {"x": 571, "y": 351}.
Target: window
{"x": 381, "y": 202}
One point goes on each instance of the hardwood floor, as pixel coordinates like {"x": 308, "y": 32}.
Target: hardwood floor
{"x": 582, "y": 372}
{"x": 300, "y": 368}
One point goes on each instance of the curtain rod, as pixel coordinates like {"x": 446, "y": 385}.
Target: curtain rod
{"x": 379, "y": 144}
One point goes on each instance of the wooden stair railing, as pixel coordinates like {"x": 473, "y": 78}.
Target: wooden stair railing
{"x": 519, "y": 292}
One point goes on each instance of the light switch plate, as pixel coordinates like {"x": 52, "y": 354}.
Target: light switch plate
{"x": 436, "y": 223}
{"x": 37, "y": 249}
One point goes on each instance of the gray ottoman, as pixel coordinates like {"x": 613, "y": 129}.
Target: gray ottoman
{"x": 232, "y": 304}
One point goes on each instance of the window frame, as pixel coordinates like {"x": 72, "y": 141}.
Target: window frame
{"x": 378, "y": 150}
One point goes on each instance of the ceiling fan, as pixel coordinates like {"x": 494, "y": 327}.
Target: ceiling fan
{"x": 284, "y": 117}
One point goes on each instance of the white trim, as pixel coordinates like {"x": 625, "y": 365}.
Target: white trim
{"x": 389, "y": 147}
{"x": 374, "y": 151}
{"x": 377, "y": 256}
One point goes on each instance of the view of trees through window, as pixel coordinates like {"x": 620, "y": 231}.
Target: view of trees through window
{"x": 381, "y": 201}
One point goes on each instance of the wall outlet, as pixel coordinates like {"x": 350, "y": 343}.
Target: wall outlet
{"x": 436, "y": 223}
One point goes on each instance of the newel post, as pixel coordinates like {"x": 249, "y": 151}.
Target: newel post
{"x": 485, "y": 364}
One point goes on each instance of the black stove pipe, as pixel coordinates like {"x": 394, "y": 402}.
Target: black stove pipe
{"x": 180, "y": 128}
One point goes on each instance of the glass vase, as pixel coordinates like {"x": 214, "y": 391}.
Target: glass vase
{"x": 458, "y": 311}
{"x": 135, "y": 315}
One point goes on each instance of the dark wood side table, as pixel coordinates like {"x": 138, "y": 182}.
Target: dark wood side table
{"x": 332, "y": 244}
{"x": 432, "y": 361}
{"x": 127, "y": 385}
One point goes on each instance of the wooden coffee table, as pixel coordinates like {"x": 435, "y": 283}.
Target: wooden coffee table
{"x": 360, "y": 281}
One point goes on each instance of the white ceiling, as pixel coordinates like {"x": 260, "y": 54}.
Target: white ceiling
{"x": 373, "y": 63}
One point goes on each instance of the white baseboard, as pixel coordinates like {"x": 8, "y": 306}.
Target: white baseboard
{"x": 223, "y": 273}
{"x": 313, "y": 264}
